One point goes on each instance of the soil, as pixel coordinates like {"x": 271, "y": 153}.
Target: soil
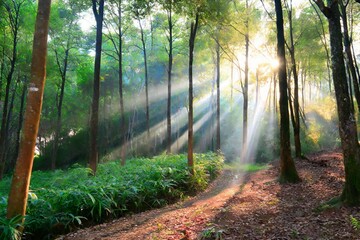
{"x": 251, "y": 206}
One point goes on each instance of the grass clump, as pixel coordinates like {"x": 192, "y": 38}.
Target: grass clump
{"x": 60, "y": 201}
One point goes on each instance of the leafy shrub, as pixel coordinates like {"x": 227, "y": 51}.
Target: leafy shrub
{"x": 355, "y": 223}
{"x": 9, "y": 228}
{"x": 60, "y": 201}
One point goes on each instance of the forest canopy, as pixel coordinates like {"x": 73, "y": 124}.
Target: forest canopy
{"x": 112, "y": 80}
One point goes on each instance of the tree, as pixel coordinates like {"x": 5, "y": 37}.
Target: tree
{"x": 65, "y": 37}
{"x": 13, "y": 12}
{"x": 349, "y": 57}
{"x": 347, "y": 124}
{"x": 295, "y": 114}
{"x": 193, "y": 29}
{"x": 116, "y": 22}
{"x": 288, "y": 171}
{"x": 21, "y": 178}
{"x": 139, "y": 9}
{"x": 168, "y": 6}
{"x": 98, "y": 10}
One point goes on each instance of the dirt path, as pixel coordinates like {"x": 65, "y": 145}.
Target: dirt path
{"x": 179, "y": 221}
{"x": 267, "y": 210}
{"x": 260, "y": 208}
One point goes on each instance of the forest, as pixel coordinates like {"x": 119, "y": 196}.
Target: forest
{"x": 179, "y": 119}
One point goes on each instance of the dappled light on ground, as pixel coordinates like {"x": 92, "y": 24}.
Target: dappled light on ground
{"x": 253, "y": 207}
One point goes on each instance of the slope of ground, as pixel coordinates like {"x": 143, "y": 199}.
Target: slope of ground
{"x": 254, "y": 207}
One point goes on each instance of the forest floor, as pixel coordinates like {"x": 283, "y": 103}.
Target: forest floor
{"x": 253, "y": 206}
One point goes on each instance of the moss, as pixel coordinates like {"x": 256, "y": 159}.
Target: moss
{"x": 335, "y": 202}
{"x": 289, "y": 176}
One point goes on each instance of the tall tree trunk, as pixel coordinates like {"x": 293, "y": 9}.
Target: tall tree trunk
{"x": 146, "y": 87}
{"x": 296, "y": 118}
{"x": 349, "y": 57}
{"x": 21, "y": 179}
{"x": 21, "y": 118}
{"x": 246, "y": 83}
{"x": 94, "y": 121}
{"x": 257, "y": 86}
{"x": 288, "y": 171}
{"x": 170, "y": 63}
{"x": 245, "y": 94}
{"x": 9, "y": 142}
{"x": 2, "y": 66}
{"x": 348, "y": 78}
{"x": 232, "y": 83}
{"x": 324, "y": 42}
{"x": 121, "y": 88}
{"x": 193, "y": 30}
{"x": 63, "y": 70}
{"x": 14, "y": 23}
{"x": 347, "y": 123}
{"x": 218, "y": 145}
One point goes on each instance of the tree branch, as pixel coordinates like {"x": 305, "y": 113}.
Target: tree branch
{"x": 325, "y": 10}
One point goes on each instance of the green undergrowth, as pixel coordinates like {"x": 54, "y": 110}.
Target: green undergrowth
{"x": 247, "y": 167}
{"x": 60, "y": 201}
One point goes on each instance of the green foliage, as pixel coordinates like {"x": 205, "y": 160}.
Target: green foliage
{"x": 249, "y": 167}
{"x": 9, "y": 228}
{"x": 212, "y": 233}
{"x": 61, "y": 200}
{"x": 355, "y": 223}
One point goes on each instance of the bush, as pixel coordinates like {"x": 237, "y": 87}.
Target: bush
{"x": 60, "y": 201}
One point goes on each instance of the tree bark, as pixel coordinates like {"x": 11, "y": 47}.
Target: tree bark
{"x": 246, "y": 83}
{"x": 121, "y": 88}
{"x": 193, "y": 30}
{"x": 349, "y": 57}
{"x": 21, "y": 179}
{"x": 170, "y": 63}
{"x": 347, "y": 122}
{"x": 14, "y": 22}
{"x": 94, "y": 121}
{"x": 296, "y": 118}
{"x": 288, "y": 171}
{"x": 146, "y": 87}
{"x": 63, "y": 70}
{"x": 246, "y": 96}
{"x": 21, "y": 119}
{"x": 218, "y": 145}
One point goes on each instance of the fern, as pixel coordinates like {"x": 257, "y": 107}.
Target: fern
{"x": 355, "y": 223}
{"x": 9, "y": 228}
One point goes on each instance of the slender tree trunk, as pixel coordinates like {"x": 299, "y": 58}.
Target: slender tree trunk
{"x": 296, "y": 117}
{"x": 257, "y": 86}
{"x": 193, "y": 30}
{"x": 245, "y": 94}
{"x": 274, "y": 97}
{"x": 21, "y": 179}
{"x": 324, "y": 42}
{"x": 121, "y": 87}
{"x": 94, "y": 121}
{"x": 355, "y": 62}
{"x": 349, "y": 57}
{"x": 9, "y": 142}
{"x": 218, "y": 146}
{"x": 246, "y": 83}
{"x": 2, "y": 66}
{"x": 232, "y": 83}
{"x": 348, "y": 78}
{"x": 63, "y": 70}
{"x": 146, "y": 87}
{"x": 14, "y": 22}
{"x": 21, "y": 118}
{"x": 170, "y": 62}
{"x": 288, "y": 171}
